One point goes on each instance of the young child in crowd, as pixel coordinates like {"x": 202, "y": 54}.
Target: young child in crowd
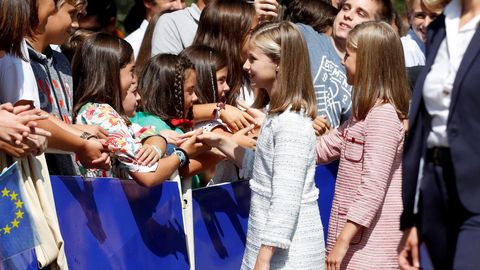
{"x": 167, "y": 85}
{"x": 53, "y": 75}
{"x": 284, "y": 229}
{"x": 225, "y": 25}
{"x": 22, "y": 127}
{"x": 212, "y": 87}
{"x": 106, "y": 95}
{"x": 363, "y": 230}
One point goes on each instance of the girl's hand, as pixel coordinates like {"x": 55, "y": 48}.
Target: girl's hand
{"x": 264, "y": 257}
{"x": 193, "y": 147}
{"x": 321, "y": 125}
{"x": 147, "y": 155}
{"x": 257, "y": 114}
{"x": 38, "y": 144}
{"x": 173, "y": 137}
{"x": 335, "y": 258}
{"x": 243, "y": 138}
{"x": 7, "y": 107}
{"x": 16, "y": 151}
{"x": 95, "y": 155}
{"x": 212, "y": 139}
{"x": 235, "y": 118}
{"x": 409, "y": 258}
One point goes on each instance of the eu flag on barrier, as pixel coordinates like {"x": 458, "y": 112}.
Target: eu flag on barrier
{"x": 16, "y": 233}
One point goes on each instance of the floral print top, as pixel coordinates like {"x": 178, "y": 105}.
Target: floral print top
{"x": 123, "y": 140}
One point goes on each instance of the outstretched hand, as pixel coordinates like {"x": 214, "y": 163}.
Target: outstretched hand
{"x": 257, "y": 114}
{"x": 321, "y": 125}
{"x": 243, "y": 137}
{"x": 192, "y": 146}
{"x": 235, "y": 118}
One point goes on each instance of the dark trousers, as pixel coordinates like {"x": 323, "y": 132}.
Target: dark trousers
{"x": 450, "y": 232}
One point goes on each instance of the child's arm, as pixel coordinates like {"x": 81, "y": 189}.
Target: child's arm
{"x": 91, "y": 153}
{"x": 233, "y": 117}
{"x": 383, "y": 138}
{"x": 335, "y": 257}
{"x": 330, "y": 144}
{"x": 229, "y": 147}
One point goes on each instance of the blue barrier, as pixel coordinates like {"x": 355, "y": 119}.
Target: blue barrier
{"x": 220, "y": 217}
{"x": 25, "y": 260}
{"x": 113, "y": 224}
{"x": 325, "y": 176}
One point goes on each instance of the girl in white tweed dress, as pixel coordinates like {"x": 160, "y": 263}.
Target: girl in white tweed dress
{"x": 284, "y": 228}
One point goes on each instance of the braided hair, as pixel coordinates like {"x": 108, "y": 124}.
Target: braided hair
{"x": 161, "y": 86}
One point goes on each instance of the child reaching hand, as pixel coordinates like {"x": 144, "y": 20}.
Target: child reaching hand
{"x": 106, "y": 95}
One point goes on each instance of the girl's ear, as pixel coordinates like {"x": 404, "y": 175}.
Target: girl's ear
{"x": 277, "y": 68}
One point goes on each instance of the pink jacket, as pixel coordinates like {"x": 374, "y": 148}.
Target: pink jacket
{"x": 368, "y": 186}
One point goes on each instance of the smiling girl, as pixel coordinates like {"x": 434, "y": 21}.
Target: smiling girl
{"x": 106, "y": 95}
{"x": 284, "y": 225}
{"x": 212, "y": 87}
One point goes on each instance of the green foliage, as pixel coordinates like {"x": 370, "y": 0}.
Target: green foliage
{"x": 399, "y": 6}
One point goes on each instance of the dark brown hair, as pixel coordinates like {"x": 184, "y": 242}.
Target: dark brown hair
{"x": 207, "y": 62}
{"x": 161, "y": 85}
{"x": 318, "y": 14}
{"x": 14, "y": 22}
{"x": 385, "y": 12}
{"x": 224, "y": 25}
{"x": 75, "y": 42}
{"x": 96, "y": 71}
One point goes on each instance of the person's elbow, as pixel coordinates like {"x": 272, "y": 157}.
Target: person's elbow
{"x": 148, "y": 180}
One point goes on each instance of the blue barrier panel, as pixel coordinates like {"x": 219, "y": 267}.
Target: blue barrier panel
{"x": 25, "y": 260}
{"x": 113, "y": 224}
{"x": 220, "y": 216}
{"x": 325, "y": 176}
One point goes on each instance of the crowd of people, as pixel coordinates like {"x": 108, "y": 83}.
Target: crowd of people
{"x": 264, "y": 91}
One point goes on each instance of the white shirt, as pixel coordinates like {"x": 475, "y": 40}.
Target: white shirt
{"x": 246, "y": 93}
{"x": 136, "y": 37}
{"x": 175, "y": 31}
{"x": 413, "y": 50}
{"x": 17, "y": 81}
{"x": 437, "y": 89}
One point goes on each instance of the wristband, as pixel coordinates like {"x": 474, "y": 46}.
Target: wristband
{"x": 182, "y": 155}
{"x": 220, "y": 106}
{"x": 158, "y": 150}
{"x": 87, "y": 136}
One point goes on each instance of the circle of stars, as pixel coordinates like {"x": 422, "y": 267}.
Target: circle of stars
{"x": 14, "y": 197}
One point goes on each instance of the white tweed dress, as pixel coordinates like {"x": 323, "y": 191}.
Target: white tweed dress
{"x": 284, "y": 211}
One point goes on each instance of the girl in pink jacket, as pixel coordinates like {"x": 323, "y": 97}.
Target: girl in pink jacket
{"x": 364, "y": 222}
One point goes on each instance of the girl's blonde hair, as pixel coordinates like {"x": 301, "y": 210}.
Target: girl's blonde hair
{"x": 380, "y": 69}
{"x": 283, "y": 43}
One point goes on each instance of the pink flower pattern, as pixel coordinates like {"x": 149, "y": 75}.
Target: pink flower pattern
{"x": 123, "y": 140}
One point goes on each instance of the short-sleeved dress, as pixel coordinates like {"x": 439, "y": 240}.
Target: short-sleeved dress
{"x": 123, "y": 140}
{"x": 368, "y": 187}
{"x": 284, "y": 211}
